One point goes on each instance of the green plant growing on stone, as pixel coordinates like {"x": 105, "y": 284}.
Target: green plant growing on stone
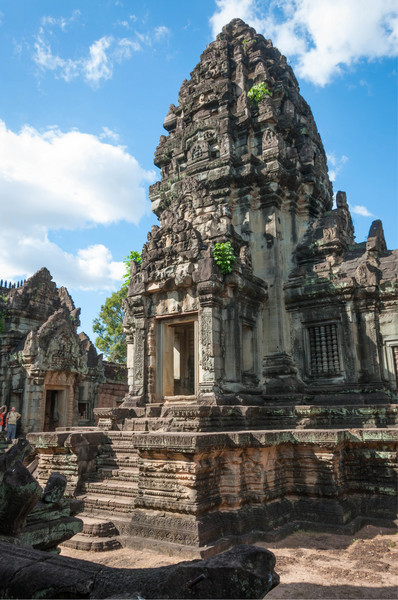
{"x": 257, "y": 92}
{"x": 245, "y": 42}
{"x": 135, "y": 257}
{"x": 224, "y": 257}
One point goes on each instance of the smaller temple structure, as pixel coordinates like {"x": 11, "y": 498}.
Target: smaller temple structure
{"x": 49, "y": 372}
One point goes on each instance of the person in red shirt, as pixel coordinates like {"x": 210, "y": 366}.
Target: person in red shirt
{"x": 3, "y": 410}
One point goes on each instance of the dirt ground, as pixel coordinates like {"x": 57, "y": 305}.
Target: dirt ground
{"x": 310, "y": 565}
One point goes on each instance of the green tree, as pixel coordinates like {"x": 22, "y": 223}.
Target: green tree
{"x": 109, "y": 327}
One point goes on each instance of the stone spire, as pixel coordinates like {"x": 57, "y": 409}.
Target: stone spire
{"x": 220, "y": 138}
{"x": 249, "y": 174}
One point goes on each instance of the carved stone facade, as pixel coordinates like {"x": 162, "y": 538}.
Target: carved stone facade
{"x": 265, "y": 398}
{"x": 51, "y": 374}
{"x": 306, "y": 312}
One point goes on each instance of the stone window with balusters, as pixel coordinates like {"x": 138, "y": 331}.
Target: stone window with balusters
{"x": 324, "y": 356}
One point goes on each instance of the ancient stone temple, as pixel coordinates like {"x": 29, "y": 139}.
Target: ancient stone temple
{"x": 305, "y": 310}
{"x": 262, "y": 386}
{"x": 51, "y": 374}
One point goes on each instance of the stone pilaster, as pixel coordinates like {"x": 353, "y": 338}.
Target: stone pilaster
{"x": 210, "y": 360}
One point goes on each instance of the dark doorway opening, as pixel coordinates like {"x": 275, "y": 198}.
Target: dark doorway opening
{"x": 51, "y": 417}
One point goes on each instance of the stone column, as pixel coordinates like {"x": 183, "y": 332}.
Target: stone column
{"x": 368, "y": 347}
{"x": 35, "y": 401}
{"x": 210, "y": 359}
{"x": 135, "y": 329}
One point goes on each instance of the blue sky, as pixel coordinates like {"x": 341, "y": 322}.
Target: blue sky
{"x": 84, "y": 90}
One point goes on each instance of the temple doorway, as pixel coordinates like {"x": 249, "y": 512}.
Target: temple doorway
{"x": 179, "y": 358}
{"x": 55, "y": 413}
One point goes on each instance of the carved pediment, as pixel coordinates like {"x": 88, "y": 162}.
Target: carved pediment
{"x": 64, "y": 353}
{"x": 55, "y": 346}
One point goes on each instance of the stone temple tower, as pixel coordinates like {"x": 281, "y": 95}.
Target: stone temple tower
{"x": 254, "y": 175}
{"x": 261, "y": 395}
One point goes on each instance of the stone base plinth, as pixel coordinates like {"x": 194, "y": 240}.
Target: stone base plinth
{"x": 207, "y": 491}
{"x": 214, "y": 490}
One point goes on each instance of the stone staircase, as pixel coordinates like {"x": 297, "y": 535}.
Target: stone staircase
{"x": 111, "y": 489}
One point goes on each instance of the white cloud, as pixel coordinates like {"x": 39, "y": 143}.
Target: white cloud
{"x": 161, "y": 32}
{"x": 232, "y": 9}
{"x": 109, "y": 134}
{"x": 51, "y": 181}
{"x": 61, "y": 22}
{"x": 94, "y": 68}
{"x": 335, "y": 164}
{"x": 125, "y": 24}
{"x": 361, "y": 210}
{"x": 124, "y": 48}
{"x": 98, "y": 64}
{"x": 322, "y": 37}
{"x": 158, "y": 34}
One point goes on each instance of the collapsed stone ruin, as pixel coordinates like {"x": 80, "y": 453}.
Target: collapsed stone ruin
{"x": 31, "y": 516}
{"x": 243, "y": 572}
{"x": 260, "y": 399}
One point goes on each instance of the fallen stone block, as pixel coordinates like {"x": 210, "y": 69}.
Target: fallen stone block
{"x": 243, "y": 572}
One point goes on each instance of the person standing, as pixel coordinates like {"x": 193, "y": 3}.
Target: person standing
{"x": 11, "y": 421}
{"x": 3, "y": 410}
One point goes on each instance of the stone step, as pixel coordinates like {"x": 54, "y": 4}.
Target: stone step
{"x": 97, "y": 527}
{"x": 94, "y": 503}
{"x": 126, "y": 473}
{"x": 98, "y": 535}
{"x": 116, "y": 467}
{"x": 87, "y": 543}
{"x": 112, "y": 487}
